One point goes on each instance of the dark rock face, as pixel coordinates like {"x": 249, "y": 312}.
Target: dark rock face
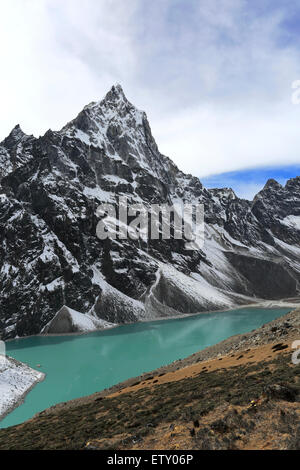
{"x": 50, "y": 256}
{"x": 266, "y": 279}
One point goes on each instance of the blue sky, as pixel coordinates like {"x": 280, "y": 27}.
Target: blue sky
{"x": 247, "y": 183}
{"x": 214, "y": 76}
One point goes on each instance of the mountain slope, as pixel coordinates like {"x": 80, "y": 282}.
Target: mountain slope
{"x": 50, "y": 256}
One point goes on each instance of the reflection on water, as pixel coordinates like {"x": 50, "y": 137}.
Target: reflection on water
{"x": 81, "y": 365}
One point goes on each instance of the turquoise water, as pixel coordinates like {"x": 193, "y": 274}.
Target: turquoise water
{"x": 81, "y": 365}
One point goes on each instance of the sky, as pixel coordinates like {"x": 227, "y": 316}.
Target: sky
{"x": 215, "y": 77}
{"x": 247, "y": 183}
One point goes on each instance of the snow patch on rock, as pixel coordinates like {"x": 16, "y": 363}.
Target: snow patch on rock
{"x": 292, "y": 221}
{"x": 16, "y": 380}
{"x": 68, "y": 321}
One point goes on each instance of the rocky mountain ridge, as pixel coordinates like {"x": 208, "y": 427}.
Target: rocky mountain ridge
{"x": 50, "y": 256}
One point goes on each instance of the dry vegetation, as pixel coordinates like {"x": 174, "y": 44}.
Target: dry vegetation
{"x": 238, "y": 405}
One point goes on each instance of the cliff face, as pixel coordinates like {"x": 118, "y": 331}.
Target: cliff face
{"x": 50, "y": 256}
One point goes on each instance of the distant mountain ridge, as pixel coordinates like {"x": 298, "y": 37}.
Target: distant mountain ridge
{"x": 50, "y": 257}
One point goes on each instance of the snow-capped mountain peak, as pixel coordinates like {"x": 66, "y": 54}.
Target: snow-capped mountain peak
{"x": 120, "y": 130}
{"x": 114, "y": 115}
{"x": 50, "y": 256}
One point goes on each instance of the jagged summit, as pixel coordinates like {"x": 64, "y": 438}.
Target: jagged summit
{"x": 116, "y": 93}
{"x": 114, "y": 114}
{"x": 114, "y": 99}
{"x": 17, "y": 130}
{"x": 14, "y": 137}
{"x": 113, "y": 105}
{"x": 272, "y": 183}
{"x": 293, "y": 182}
{"x": 14, "y": 151}
{"x": 119, "y": 129}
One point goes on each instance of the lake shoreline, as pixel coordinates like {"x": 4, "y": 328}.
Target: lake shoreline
{"x": 170, "y": 365}
{"x": 234, "y": 344}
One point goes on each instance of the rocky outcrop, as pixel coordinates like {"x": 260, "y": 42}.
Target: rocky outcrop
{"x": 69, "y": 321}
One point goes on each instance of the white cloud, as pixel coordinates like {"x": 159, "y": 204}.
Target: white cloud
{"x": 208, "y": 140}
{"x": 58, "y": 56}
{"x": 214, "y": 77}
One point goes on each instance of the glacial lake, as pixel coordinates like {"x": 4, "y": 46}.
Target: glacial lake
{"x": 81, "y": 365}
